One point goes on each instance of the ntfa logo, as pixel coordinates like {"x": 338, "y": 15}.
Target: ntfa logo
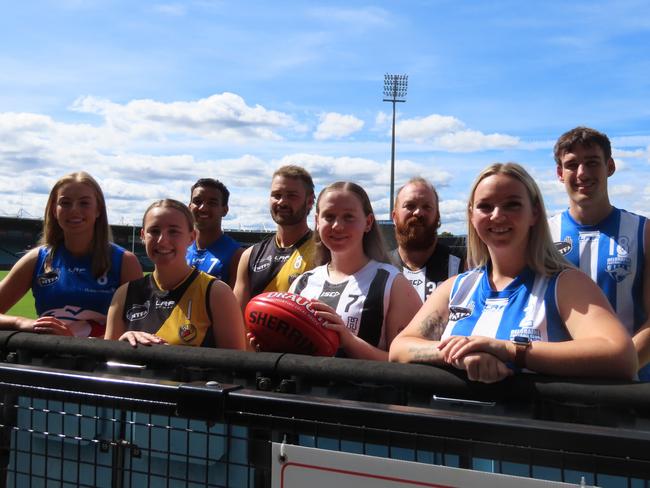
{"x": 564, "y": 247}
{"x": 457, "y": 313}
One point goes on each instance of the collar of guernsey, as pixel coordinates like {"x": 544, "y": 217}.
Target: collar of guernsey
{"x": 301, "y": 260}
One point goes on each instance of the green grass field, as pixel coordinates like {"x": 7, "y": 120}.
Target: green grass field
{"x": 25, "y": 307}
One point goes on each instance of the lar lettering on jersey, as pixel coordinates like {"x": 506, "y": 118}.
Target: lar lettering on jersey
{"x": 165, "y": 304}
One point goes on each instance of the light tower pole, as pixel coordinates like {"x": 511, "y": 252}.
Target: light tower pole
{"x": 395, "y": 91}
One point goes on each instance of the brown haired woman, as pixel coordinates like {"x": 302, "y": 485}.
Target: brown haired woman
{"x": 176, "y": 304}
{"x": 75, "y": 270}
{"x": 363, "y": 298}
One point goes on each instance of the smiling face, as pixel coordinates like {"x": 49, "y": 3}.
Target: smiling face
{"x": 166, "y": 234}
{"x": 341, "y": 222}
{"x": 207, "y": 208}
{"x": 584, "y": 172}
{"x": 502, "y": 213}
{"x": 76, "y": 208}
{"x": 289, "y": 202}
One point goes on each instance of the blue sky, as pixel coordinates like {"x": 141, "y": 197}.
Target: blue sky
{"x": 150, "y": 96}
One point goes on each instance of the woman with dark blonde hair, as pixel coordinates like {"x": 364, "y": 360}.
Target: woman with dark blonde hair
{"x": 176, "y": 304}
{"x": 361, "y": 296}
{"x": 522, "y": 306}
{"x": 75, "y": 270}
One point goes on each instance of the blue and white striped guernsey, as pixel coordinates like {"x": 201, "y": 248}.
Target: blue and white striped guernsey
{"x": 611, "y": 253}
{"x": 526, "y": 307}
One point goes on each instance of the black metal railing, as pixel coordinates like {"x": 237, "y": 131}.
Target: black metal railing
{"x": 80, "y": 412}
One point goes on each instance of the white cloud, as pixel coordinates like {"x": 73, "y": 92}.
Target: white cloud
{"x": 471, "y": 140}
{"x": 621, "y": 190}
{"x": 622, "y": 153}
{"x": 358, "y": 17}
{"x": 222, "y": 117}
{"x": 171, "y": 9}
{"x": 381, "y": 119}
{"x": 447, "y": 133}
{"x": 335, "y": 126}
{"x": 422, "y": 129}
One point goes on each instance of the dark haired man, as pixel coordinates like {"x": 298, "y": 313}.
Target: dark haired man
{"x": 213, "y": 251}
{"x": 607, "y": 243}
{"x": 273, "y": 264}
{"x": 422, "y": 259}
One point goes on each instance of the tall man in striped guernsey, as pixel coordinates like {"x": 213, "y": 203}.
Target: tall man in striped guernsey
{"x": 424, "y": 261}
{"x": 607, "y": 243}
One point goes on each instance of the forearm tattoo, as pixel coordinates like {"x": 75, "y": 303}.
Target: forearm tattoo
{"x": 432, "y": 327}
{"x": 424, "y": 354}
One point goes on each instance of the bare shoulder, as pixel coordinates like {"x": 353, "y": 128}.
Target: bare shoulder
{"x": 131, "y": 268}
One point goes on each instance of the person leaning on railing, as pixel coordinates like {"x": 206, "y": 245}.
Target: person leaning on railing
{"x": 176, "y": 304}
{"x": 75, "y": 270}
{"x": 358, "y": 293}
{"x": 522, "y": 305}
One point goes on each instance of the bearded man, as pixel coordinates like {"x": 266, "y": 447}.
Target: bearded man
{"x": 273, "y": 264}
{"x": 423, "y": 260}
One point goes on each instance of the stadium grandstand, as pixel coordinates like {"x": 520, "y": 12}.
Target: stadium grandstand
{"x": 19, "y": 235}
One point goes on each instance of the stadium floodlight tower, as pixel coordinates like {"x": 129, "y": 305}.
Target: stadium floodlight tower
{"x": 395, "y": 91}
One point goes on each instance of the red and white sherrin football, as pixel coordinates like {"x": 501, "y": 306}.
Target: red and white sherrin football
{"x": 286, "y": 322}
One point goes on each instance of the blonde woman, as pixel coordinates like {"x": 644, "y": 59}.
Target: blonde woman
{"x": 522, "y": 306}
{"x": 75, "y": 270}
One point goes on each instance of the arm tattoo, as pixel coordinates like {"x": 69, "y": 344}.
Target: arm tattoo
{"x": 432, "y": 327}
{"x": 427, "y": 354}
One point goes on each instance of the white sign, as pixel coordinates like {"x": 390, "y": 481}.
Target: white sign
{"x": 306, "y": 467}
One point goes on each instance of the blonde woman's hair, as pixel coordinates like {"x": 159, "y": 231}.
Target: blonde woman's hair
{"x": 52, "y": 236}
{"x": 373, "y": 240}
{"x": 541, "y": 254}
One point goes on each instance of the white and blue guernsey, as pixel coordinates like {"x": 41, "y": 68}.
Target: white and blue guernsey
{"x": 526, "y": 307}
{"x": 612, "y": 254}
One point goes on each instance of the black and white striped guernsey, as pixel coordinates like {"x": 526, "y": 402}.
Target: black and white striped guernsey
{"x": 361, "y": 300}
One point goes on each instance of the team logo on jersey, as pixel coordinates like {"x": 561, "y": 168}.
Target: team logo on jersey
{"x": 531, "y": 332}
{"x": 623, "y": 246}
{"x": 138, "y": 312}
{"x": 564, "y": 247}
{"x": 457, "y": 313}
{"x": 619, "y": 267}
{"x": 49, "y": 278}
{"x": 187, "y": 332}
{"x": 353, "y": 323}
{"x": 262, "y": 265}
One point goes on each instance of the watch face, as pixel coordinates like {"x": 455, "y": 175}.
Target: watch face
{"x": 524, "y": 341}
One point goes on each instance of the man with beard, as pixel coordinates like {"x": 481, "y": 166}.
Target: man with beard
{"x": 423, "y": 260}
{"x": 212, "y": 252}
{"x": 273, "y": 264}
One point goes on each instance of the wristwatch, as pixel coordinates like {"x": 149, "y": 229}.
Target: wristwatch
{"x": 522, "y": 344}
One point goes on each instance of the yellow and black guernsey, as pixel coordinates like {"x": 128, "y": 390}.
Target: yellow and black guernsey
{"x": 273, "y": 268}
{"x": 181, "y": 316}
